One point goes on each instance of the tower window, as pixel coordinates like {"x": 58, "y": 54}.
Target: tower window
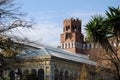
{"x": 67, "y": 36}
{"x": 74, "y": 28}
{"x": 67, "y": 28}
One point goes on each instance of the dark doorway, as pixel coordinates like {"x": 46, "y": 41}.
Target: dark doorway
{"x": 40, "y": 74}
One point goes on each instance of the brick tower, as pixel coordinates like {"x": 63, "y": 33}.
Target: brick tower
{"x": 72, "y": 38}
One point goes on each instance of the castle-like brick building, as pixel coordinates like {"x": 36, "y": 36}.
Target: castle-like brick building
{"x": 72, "y": 38}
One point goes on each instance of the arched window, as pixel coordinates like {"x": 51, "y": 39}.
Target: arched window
{"x": 67, "y": 28}
{"x": 61, "y": 75}
{"x": 66, "y": 75}
{"x": 67, "y": 36}
{"x": 33, "y": 74}
{"x": 12, "y": 75}
{"x": 56, "y": 75}
{"x": 25, "y": 74}
{"x": 40, "y": 74}
{"x": 74, "y": 28}
{"x": 75, "y": 76}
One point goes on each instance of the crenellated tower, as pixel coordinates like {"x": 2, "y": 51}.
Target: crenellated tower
{"x": 72, "y": 38}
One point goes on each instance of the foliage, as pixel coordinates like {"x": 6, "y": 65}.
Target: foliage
{"x": 113, "y": 21}
{"x": 10, "y": 18}
{"x": 7, "y": 78}
{"x": 84, "y": 74}
{"x": 101, "y": 30}
{"x": 1, "y": 78}
{"x": 9, "y": 10}
{"x": 8, "y": 47}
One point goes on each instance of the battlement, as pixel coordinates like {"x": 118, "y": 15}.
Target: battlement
{"x": 72, "y": 25}
{"x": 84, "y": 45}
{"x": 79, "y": 45}
{"x": 72, "y": 20}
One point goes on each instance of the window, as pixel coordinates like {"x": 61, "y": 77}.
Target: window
{"x": 66, "y": 75}
{"x": 67, "y": 28}
{"x": 56, "y": 75}
{"x": 67, "y": 36}
{"x": 61, "y": 75}
{"x": 74, "y": 28}
{"x": 40, "y": 74}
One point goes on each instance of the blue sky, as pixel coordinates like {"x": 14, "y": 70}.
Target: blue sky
{"x": 49, "y": 15}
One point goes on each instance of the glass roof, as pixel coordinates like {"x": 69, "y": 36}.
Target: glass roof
{"x": 69, "y": 56}
{"x": 56, "y": 52}
{"x": 32, "y": 53}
